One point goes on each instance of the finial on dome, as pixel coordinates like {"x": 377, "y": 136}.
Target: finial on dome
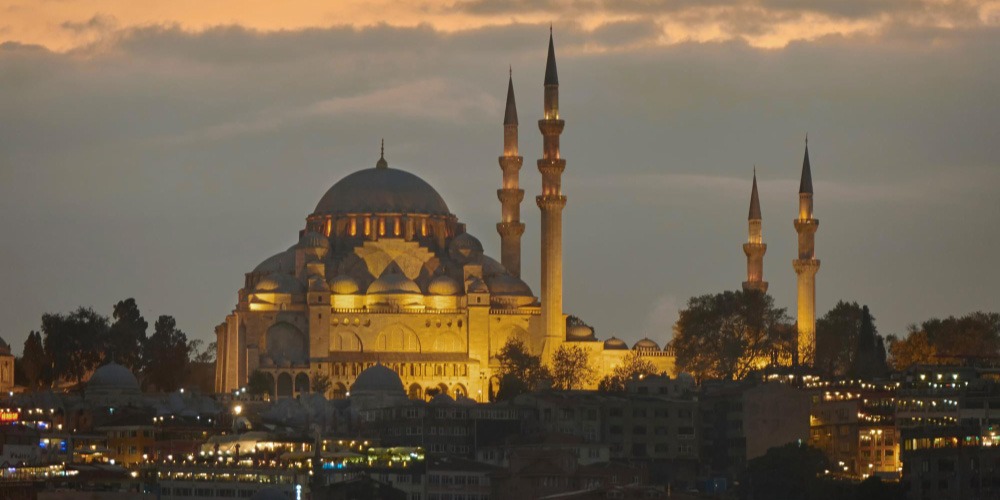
{"x": 381, "y": 159}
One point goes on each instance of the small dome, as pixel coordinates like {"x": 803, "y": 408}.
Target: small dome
{"x": 465, "y": 248}
{"x": 444, "y": 285}
{"x": 344, "y": 285}
{"x": 615, "y": 343}
{"x": 113, "y": 376}
{"x": 282, "y": 262}
{"x": 393, "y": 283}
{"x": 475, "y": 285}
{"x": 278, "y": 283}
{"x": 270, "y": 493}
{"x": 377, "y": 378}
{"x": 646, "y": 345}
{"x": 313, "y": 239}
{"x": 505, "y": 284}
{"x": 579, "y": 332}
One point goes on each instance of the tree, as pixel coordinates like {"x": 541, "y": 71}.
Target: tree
{"x": 632, "y": 367}
{"x": 727, "y": 335}
{"x": 321, "y": 383}
{"x": 260, "y": 383}
{"x": 74, "y": 343}
{"x": 203, "y": 356}
{"x": 127, "y": 334}
{"x": 166, "y": 354}
{"x": 34, "y": 362}
{"x": 949, "y": 340}
{"x": 571, "y": 368}
{"x": 869, "y": 358}
{"x": 837, "y": 338}
{"x": 520, "y": 371}
{"x": 789, "y": 472}
{"x": 915, "y": 349}
{"x": 838, "y": 344}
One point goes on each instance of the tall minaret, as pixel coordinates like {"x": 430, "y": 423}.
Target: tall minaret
{"x": 510, "y": 226}
{"x": 755, "y": 248}
{"x": 806, "y": 266}
{"x": 551, "y": 203}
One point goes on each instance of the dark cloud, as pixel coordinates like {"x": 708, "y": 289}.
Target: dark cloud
{"x": 163, "y": 164}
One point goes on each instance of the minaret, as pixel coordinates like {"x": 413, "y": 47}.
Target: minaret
{"x": 755, "y": 248}
{"x": 551, "y": 203}
{"x": 510, "y": 226}
{"x": 806, "y": 266}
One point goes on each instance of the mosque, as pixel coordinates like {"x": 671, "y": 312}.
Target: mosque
{"x": 384, "y": 273}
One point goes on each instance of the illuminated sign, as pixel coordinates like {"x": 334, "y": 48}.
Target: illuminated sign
{"x": 7, "y": 417}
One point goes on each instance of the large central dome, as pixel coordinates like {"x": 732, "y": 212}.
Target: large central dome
{"x": 381, "y": 190}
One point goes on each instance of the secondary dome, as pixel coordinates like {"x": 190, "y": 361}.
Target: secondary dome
{"x": 444, "y": 285}
{"x": 505, "y": 284}
{"x": 579, "y": 332}
{"x": 615, "y": 343}
{"x": 382, "y": 190}
{"x": 344, "y": 285}
{"x": 377, "y": 378}
{"x": 113, "y": 376}
{"x": 646, "y": 345}
{"x": 391, "y": 283}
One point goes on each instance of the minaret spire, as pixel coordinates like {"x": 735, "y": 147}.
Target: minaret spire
{"x": 510, "y": 194}
{"x": 806, "y": 265}
{"x": 551, "y": 202}
{"x": 755, "y": 248}
{"x": 381, "y": 163}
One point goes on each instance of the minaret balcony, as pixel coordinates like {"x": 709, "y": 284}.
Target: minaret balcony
{"x": 510, "y": 196}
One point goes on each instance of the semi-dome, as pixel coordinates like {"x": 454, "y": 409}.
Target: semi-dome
{"x": 615, "y": 343}
{"x": 312, "y": 239}
{"x": 344, "y": 285}
{"x": 278, "y": 283}
{"x": 382, "y": 190}
{"x": 506, "y": 284}
{"x": 646, "y": 345}
{"x": 444, "y": 285}
{"x": 113, "y": 376}
{"x": 392, "y": 283}
{"x": 282, "y": 262}
{"x": 377, "y": 378}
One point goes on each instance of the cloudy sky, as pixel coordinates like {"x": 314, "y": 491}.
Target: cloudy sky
{"x": 159, "y": 150}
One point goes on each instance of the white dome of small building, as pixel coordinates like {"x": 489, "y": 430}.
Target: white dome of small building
{"x": 378, "y": 379}
{"x": 112, "y": 384}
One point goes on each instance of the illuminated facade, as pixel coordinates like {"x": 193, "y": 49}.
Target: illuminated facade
{"x": 384, "y": 273}
{"x": 6, "y": 367}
